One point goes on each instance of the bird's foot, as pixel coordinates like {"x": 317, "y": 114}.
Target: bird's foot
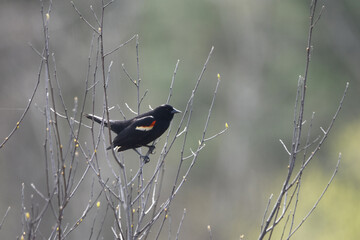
{"x": 146, "y": 159}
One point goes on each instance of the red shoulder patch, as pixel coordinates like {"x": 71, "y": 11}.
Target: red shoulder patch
{"x": 146, "y": 128}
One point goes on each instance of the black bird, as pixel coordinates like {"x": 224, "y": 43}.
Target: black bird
{"x": 140, "y": 130}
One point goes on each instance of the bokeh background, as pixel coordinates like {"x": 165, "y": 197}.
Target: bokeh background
{"x": 259, "y": 53}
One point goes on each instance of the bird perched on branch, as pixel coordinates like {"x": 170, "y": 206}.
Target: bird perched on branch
{"x": 140, "y": 130}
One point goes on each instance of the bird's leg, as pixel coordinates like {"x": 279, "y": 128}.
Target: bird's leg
{"x": 151, "y": 149}
{"x": 145, "y": 157}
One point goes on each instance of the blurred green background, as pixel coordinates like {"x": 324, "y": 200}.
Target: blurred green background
{"x": 259, "y": 53}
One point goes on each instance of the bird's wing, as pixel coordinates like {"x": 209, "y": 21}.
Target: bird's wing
{"x": 118, "y": 126}
{"x": 135, "y": 131}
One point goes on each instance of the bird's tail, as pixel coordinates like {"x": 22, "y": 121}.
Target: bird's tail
{"x": 96, "y": 119}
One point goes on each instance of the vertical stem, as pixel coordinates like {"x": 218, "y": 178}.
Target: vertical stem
{"x": 297, "y": 130}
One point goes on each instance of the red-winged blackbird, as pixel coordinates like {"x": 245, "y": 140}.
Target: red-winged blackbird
{"x": 140, "y": 130}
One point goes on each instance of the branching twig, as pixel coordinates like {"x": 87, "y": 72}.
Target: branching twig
{"x": 86, "y": 21}
{"x": 275, "y": 216}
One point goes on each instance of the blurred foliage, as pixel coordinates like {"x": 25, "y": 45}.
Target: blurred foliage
{"x": 259, "y": 52}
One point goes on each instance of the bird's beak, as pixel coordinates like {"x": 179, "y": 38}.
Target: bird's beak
{"x": 175, "y": 111}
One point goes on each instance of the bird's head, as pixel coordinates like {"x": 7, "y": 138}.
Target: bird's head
{"x": 167, "y": 111}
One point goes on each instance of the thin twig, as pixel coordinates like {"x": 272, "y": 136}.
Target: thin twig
{"x": 130, "y": 109}
{"x": 128, "y": 75}
{"x": 180, "y": 224}
{"x": 172, "y": 81}
{"x": 3, "y": 219}
{"x": 121, "y": 45}
{"x": 84, "y": 19}
{"x": 26, "y": 108}
{"x": 281, "y": 141}
{"x": 96, "y": 18}
{"x": 266, "y": 210}
{"x": 210, "y": 233}
{"x": 320, "y": 197}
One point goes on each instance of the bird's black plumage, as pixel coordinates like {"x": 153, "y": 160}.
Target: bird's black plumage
{"x": 140, "y": 130}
